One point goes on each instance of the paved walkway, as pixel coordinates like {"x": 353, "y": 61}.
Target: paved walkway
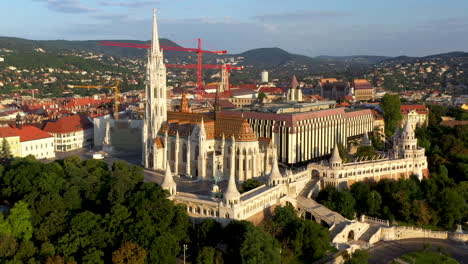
{"x": 384, "y": 252}
{"x": 325, "y": 214}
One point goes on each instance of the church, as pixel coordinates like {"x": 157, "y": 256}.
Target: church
{"x": 199, "y": 145}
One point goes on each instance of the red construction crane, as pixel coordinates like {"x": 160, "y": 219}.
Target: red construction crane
{"x": 198, "y": 50}
{"x": 226, "y": 67}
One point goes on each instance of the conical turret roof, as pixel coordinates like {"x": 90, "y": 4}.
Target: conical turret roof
{"x": 407, "y": 128}
{"x": 168, "y": 181}
{"x": 365, "y": 140}
{"x": 275, "y": 173}
{"x": 335, "y": 158}
{"x": 294, "y": 82}
{"x": 231, "y": 192}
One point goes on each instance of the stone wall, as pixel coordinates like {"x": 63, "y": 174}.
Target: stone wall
{"x": 403, "y": 232}
{"x": 354, "y": 227}
{"x": 460, "y": 237}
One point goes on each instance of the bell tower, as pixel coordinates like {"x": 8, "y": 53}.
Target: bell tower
{"x": 155, "y": 91}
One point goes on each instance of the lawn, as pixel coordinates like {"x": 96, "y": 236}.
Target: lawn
{"x": 427, "y": 257}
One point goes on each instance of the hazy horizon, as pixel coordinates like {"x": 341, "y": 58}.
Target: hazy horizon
{"x": 312, "y": 28}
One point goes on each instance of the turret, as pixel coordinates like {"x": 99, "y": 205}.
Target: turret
{"x": 365, "y": 140}
{"x": 275, "y": 177}
{"x": 232, "y": 195}
{"x": 335, "y": 160}
{"x": 168, "y": 182}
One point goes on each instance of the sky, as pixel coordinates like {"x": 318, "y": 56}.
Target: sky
{"x": 308, "y": 27}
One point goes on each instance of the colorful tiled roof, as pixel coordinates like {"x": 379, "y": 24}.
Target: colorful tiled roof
{"x": 29, "y": 133}
{"x": 294, "y": 83}
{"x": 26, "y": 133}
{"x": 69, "y": 124}
{"x": 360, "y": 84}
{"x": 215, "y": 127}
{"x": 420, "y": 109}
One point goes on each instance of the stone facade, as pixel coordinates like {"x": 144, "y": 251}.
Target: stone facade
{"x": 200, "y": 145}
{"x": 302, "y": 137}
{"x": 402, "y": 161}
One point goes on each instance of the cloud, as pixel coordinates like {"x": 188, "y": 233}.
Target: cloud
{"x": 131, "y": 4}
{"x": 67, "y": 6}
{"x": 301, "y": 16}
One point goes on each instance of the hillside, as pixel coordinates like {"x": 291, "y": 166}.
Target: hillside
{"x": 262, "y": 58}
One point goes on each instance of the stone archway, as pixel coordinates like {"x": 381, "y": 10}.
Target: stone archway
{"x": 315, "y": 174}
{"x": 351, "y": 235}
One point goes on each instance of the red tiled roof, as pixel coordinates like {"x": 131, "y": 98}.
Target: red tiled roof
{"x": 26, "y": 133}
{"x": 7, "y": 132}
{"x": 69, "y": 124}
{"x": 274, "y": 90}
{"x": 420, "y": 109}
{"x": 360, "y": 84}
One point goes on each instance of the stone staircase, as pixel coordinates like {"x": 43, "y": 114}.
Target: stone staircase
{"x": 373, "y": 228}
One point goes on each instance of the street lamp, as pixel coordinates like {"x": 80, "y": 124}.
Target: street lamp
{"x": 185, "y": 248}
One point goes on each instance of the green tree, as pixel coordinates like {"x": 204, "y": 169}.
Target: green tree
{"x": 5, "y": 153}
{"x": 366, "y": 151}
{"x": 249, "y": 184}
{"x": 209, "y": 255}
{"x": 390, "y": 105}
{"x": 259, "y": 247}
{"x": 129, "y": 253}
{"x": 358, "y": 257}
{"x": 261, "y": 96}
{"x": 373, "y": 203}
{"x": 18, "y": 223}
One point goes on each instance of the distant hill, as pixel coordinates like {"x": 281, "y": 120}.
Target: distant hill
{"x": 442, "y": 56}
{"x": 261, "y": 58}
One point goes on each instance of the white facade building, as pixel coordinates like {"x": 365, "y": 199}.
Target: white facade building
{"x": 71, "y": 133}
{"x": 264, "y": 76}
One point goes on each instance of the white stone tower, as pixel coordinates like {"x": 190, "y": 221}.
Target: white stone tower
{"x": 155, "y": 112}
{"x": 335, "y": 159}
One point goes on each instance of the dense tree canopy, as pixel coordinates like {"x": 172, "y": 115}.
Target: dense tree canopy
{"x": 390, "y": 105}
{"x": 74, "y": 210}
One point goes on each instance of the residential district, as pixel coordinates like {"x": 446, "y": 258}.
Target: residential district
{"x": 201, "y": 145}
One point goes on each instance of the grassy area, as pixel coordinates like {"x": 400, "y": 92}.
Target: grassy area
{"x": 427, "y": 257}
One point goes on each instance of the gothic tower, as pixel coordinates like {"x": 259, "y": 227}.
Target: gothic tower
{"x": 155, "y": 91}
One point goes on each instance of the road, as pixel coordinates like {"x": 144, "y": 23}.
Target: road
{"x": 384, "y": 252}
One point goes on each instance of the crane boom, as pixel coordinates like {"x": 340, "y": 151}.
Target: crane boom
{"x": 197, "y": 50}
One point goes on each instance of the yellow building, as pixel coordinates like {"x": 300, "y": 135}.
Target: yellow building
{"x": 363, "y": 90}
{"x": 13, "y": 140}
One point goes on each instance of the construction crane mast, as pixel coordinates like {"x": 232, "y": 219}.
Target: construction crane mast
{"x": 114, "y": 88}
{"x": 197, "y": 50}
{"x": 226, "y": 69}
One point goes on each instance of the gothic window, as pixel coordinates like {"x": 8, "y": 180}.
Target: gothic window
{"x": 184, "y": 152}
{"x": 197, "y": 150}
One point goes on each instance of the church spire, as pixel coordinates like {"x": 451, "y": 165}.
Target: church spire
{"x": 168, "y": 182}
{"x": 155, "y": 39}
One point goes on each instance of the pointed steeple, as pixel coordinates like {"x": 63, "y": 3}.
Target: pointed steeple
{"x": 168, "y": 182}
{"x": 155, "y": 39}
{"x": 232, "y": 195}
{"x": 407, "y": 128}
{"x": 275, "y": 176}
{"x": 294, "y": 82}
{"x": 365, "y": 140}
{"x": 335, "y": 160}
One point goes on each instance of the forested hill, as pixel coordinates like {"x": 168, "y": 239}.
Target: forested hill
{"x": 262, "y": 58}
